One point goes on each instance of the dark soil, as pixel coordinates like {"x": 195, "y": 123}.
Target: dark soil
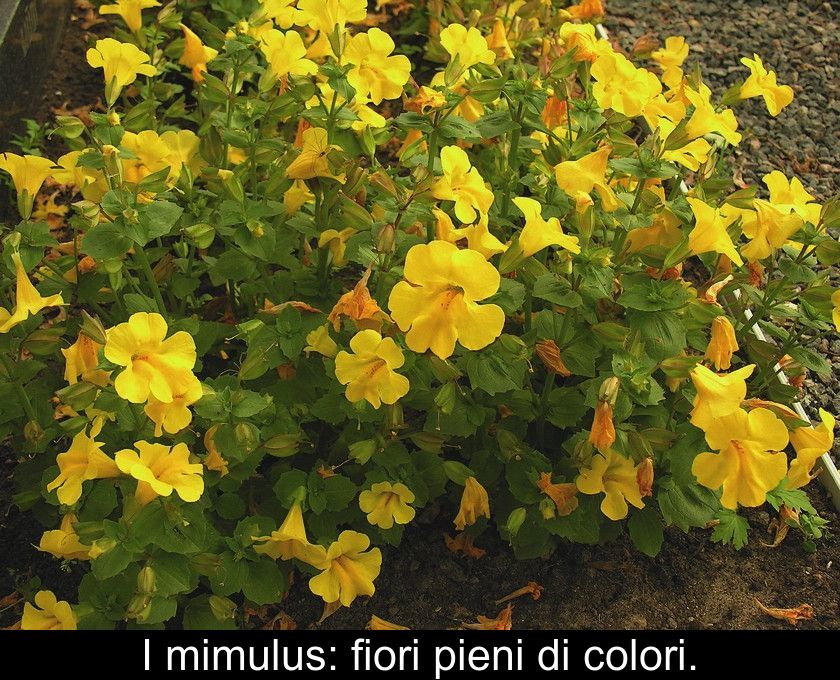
{"x": 692, "y": 583}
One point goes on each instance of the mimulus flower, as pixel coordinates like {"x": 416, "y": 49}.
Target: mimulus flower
{"x": 325, "y": 15}
{"x": 349, "y": 569}
{"x": 762, "y": 83}
{"x": 175, "y": 415}
{"x": 671, "y": 58}
{"x": 587, "y": 174}
{"x": 359, "y": 306}
{"x": 582, "y": 38}
{"x": 64, "y": 542}
{"x": 769, "y": 231}
{"x": 462, "y": 183}
{"x": 290, "y": 541}
{"x": 498, "y": 42}
{"x": 717, "y": 395}
{"x": 613, "y": 475}
{"x": 747, "y": 465}
{"x": 312, "y": 161}
{"x": 121, "y": 64}
{"x": 150, "y": 155}
{"x": 336, "y": 242}
{"x": 183, "y": 151}
{"x": 28, "y": 174}
{"x": 385, "y": 504}
{"x": 28, "y": 301}
{"x": 809, "y": 443}
{"x": 467, "y": 45}
{"x": 788, "y": 195}
{"x": 722, "y": 344}
{"x": 437, "y": 303}
{"x": 377, "y": 623}
{"x": 214, "y": 460}
{"x": 563, "y": 495}
{"x": 196, "y": 54}
{"x": 539, "y": 233}
{"x": 622, "y": 87}
{"x": 153, "y": 365}
{"x": 706, "y": 119}
{"x": 375, "y": 74}
{"x": 84, "y": 460}
{"x": 709, "y": 234}
{"x": 81, "y": 360}
{"x": 130, "y": 11}
{"x": 481, "y": 240}
{"x": 286, "y": 54}
{"x": 320, "y": 341}
{"x": 475, "y": 503}
{"x": 160, "y": 470}
{"x": 370, "y": 372}
{"x": 48, "y": 613}
{"x": 282, "y": 12}
{"x": 602, "y": 434}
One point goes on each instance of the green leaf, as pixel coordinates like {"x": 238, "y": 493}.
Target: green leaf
{"x": 490, "y": 372}
{"x": 557, "y": 291}
{"x": 795, "y": 499}
{"x": 646, "y": 531}
{"x": 198, "y": 615}
{"x": 105, "y": 241}
{"x": 645, "y": 294}
{"x": 172, "y": 574}
{"x": 566, "y": 407}
{"x": 111, "y": 563}
{"x": 663, "y": 332}
{"x": 582, "y": 525}
{"x": 158, "y": 218}
{"x": 265, "y": 584}
{"x": 686, "y": 506}
{"x": 732, "y": 529}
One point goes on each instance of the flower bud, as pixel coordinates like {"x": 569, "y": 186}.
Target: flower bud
{"x": 113, "y": 118}
{"x": 385, "y": 239}
{"x": 609, "y": 390}
{"x": 515, "y": 520}
{"x": 139, "y": 608}
{"x": 92, "y": 327}
{"x": 644, "y": 477}
{"x": 394, "y": 417}
{"x": 602, "y": 435}
{"x": 283, "y": 445}
{"x": 146, "y": 580}
{"x": 247, "y": 436}
{"x": 722, "y": 344}
{"x": 362, "y": 451}
{"x": 547, "y": 509}
{"x": 33, "y": 431}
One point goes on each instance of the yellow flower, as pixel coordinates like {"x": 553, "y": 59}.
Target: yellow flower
{"x": 81, "y": 360}
{"x": 671, "y": 58}
{"x": 196, "y": 54}
{"x": 790, "y": 196}
{"x": 175, "y": 415}
{"x": 64, "y": 542}
{"x": 320, "y": 341}
{"x": 467, "y": 45}
{"x": 386, "y": 503}
{"x": 312, "y": 161}
{"x": 437, "y": 303}
{"x": 613, "y": 475}
{"x": 121, "y": 64}
{"x": 130, "y": 11}
{"x": 463, "y": 184}
{"x": 481, "y": 240}
{"x": 762, "y": 83}
{"x": 370, "y": 372}
{"x": 297, "y": 196}
{"x": 153, "y": 366}
{"x": 602, "y": 434}
{"x": 290, "y": 541}
{"x": 586, "y": 9}
{"x": 84, "y": 460}
{"x": 214, "y": 460}
{"x": 336, "y": 241}
{"x": 705, "y": 119}
{"x": 28, "y": 174}
{"x": 539, "y": 233}
{"x": 360, "y": 307}
{"x": 717, "y": 395}
{"x": 769, "y": 231}
{"x": 469, "y": 108}
{"x": 835, "y": 313}
{"x": 475, "y": 503}
{"x": 28, "y": 301}
{"x": 587, "y": 174}
{"x": 286, "y": 54}
{"x": 375, "y": 74}
{"x": 348, "y": 570}
{"x": 326, "y": 15}
{"x": 377, "y": 623}
{"x": 747, "y": 466}
{"x": 809, "y": 443}
{"x": 89, "y": 181}
{"x": 498, "y": 41}
{"x": 183, "y": 148}
{"x": 622, "y": 87}
{"x": 160, "y": 470}
{"x": 722, "y": 344}
{"x": 709, "y": 233}
{"x": 48, "y": 613}
{"x": 282, "y": 13}
{"x": 563, "y": 495}
{"x": 582, "y": 38}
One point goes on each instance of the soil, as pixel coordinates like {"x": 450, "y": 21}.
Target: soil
{"x": 692, "y": 583}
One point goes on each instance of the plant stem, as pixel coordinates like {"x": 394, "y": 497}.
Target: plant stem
{"x": 143, "y": 259}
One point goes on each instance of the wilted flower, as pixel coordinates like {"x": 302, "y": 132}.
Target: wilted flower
{"x": 498, "y": 41}
{"x": 722, "y": 344}
{"x": 563, "y": 495}
{"x": 376, "y": 623}
{"x": 475, "y": 503}
{"x": 549, "y": 354}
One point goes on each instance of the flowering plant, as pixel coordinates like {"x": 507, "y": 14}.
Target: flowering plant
{"x": 314, "y": 283}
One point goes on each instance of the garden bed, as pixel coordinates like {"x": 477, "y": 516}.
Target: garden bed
{"x": 690, "y": 584}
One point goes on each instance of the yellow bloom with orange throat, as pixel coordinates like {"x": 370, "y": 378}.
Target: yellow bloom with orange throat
{"x": 155, "y": 365}
{"x": 463, "y": 184}
{"x": 376, "y": 74}
{"x": 386, "y": 504}
{"x": 28, "y": 301}
{"x": 437, "y": 303}
{"x": 348, "y": 570}
{"x": 160, "y": 470}
{"x": 121, "y": 63}
{"x": 615, "y": 476}
{"x": 475, "y": 503}
{"x": 131, "y": 11}
{"x": 370, "y": 371}
{"x": 750, "y": 461}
